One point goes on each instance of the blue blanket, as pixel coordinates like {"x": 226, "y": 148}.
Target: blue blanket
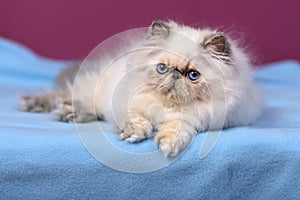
{"x": 44, "y": 159}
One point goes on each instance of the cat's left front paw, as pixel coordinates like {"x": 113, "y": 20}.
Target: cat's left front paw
{"x": 172, "y": 139}
{"x": 168, "y": 144}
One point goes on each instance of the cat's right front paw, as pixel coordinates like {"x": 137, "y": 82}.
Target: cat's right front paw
{"x": 136, "y": 131}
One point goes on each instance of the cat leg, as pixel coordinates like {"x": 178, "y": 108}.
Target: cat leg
{"x": 42, "y": 103}
{"x": 174, "y": 136}
{"x": 68, "y": 111}
{"x": 137, "y": 128}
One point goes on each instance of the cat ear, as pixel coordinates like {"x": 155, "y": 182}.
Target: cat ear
{"x": 217, "y": 44}
{"x": 160, "y": 29}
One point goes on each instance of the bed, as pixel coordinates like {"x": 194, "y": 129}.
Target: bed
{"x": 44, "y": 159}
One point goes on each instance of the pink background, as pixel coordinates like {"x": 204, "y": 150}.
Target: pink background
{"x": 69, "y": 29}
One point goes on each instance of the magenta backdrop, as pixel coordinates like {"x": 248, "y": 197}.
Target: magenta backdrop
{"x": 69, "y": 29}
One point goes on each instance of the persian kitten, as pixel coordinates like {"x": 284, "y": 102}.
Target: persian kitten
{"x": 175, "y": 80}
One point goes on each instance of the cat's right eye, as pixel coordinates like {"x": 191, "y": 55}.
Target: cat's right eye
{"x": 162, "y": 68}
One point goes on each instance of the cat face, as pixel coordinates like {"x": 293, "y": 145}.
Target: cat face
{"x": 177, "y": 79}
{"x": 187, "y": 63}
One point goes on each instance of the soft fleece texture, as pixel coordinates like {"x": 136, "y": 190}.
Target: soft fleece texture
{"x": 44, "y": 159}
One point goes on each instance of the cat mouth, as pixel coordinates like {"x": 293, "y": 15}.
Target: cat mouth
{"x": 168, "y": 91}
{"x": 169, "y": 88}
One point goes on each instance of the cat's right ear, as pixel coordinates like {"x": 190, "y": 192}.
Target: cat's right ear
{"x": 159, "y": 29}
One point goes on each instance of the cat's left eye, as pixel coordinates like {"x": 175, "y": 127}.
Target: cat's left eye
{"x": 162, "y": 68}
{"x": 193, "y": 75}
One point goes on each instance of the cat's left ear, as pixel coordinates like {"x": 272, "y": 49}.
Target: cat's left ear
{"x": 217, "y": 43}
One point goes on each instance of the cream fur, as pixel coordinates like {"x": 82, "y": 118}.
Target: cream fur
{"x": 132, "y": 95}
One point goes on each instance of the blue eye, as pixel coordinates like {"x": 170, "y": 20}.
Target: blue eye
{"x": 162, "y": 68}
{"x": 193, "y": 75}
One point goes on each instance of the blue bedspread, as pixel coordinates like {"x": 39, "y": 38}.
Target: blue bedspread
{"x": 44, "y": 159}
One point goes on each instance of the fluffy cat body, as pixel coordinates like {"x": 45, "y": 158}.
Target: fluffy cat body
{"x": 175, "y": 80}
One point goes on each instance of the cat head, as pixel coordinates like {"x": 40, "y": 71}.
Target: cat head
{"x": 187, "y": 64}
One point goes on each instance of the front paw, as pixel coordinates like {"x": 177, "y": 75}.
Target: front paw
{"x": 172, "y": 140}
{"x": 168, "y": 144}
{"x": 136, "y": 130}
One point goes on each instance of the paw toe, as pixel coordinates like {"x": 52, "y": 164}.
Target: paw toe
{"x": 122, "y": 135}
{"x": 36, "y": 103}
{"x": 134, "y": 138}
{"x": 169, "y": 149}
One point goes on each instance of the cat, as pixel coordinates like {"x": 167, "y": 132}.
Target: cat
{"x": 178, "y": 81}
